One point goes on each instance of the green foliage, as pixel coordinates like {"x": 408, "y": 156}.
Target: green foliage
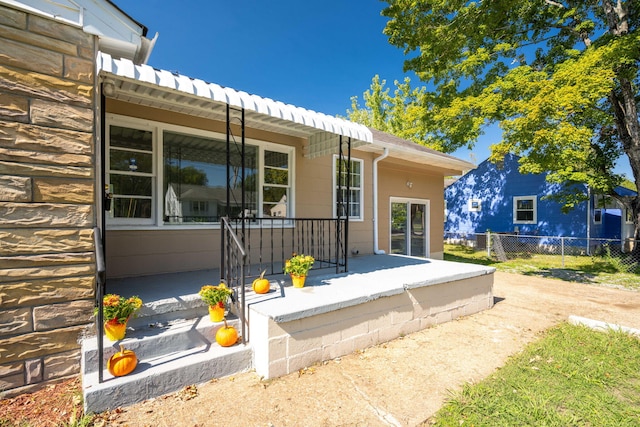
{"x": 400, "y": 114}
{"x": 215, "y": 295}
{"x": 559, "y": 77}
{"x": 187, "y": 175}
{"x": 572, "y": 376}
{"x": 116, "y": 307}
{"x": 299, "y": 265}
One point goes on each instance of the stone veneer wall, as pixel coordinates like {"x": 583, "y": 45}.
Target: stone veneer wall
{"x": 47, "y": 167}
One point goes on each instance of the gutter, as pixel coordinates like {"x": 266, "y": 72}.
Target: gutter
{"x": 375, "y": 202}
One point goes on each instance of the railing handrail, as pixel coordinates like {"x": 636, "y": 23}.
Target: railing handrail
{"x": 226, "y": 225}
{"x": 323, "y": 238}
{"x": 228, "y": 230}
{"x": 101, "y": 277}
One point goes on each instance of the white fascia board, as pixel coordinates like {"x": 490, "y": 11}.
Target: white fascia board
{"x": 276, "y": 109}
{"x": 436, "y": 159}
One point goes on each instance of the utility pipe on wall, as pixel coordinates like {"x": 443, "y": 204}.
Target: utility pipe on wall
{"x": 375, "y": 202}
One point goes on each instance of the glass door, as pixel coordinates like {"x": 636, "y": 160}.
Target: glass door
{"x": 409, "y": 227}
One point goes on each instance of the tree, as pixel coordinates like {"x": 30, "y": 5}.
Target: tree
{"x": 187, "y": 175}
{"x": 560, "y": 77}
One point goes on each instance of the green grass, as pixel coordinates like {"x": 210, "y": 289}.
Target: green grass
{"x": 572, "y": 376}
{"x": 594, "y": 270}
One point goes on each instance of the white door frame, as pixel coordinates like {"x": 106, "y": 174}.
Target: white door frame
{"x": 427, "y": 223}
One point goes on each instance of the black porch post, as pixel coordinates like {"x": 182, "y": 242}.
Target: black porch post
{"x": 228, "y": 195}
{"x": 242, "y": 193}
{"x": 344, "y": 205}
{"x": 346, "y": 223}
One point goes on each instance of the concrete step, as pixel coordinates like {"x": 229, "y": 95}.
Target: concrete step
{"x": 164, "y": 374}
{"x": 157, "y": 339}
{"x": 174, "y": 341}
{"x": 170, "y": 356}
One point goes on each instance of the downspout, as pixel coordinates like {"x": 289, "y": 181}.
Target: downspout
{"x": 375, "y": 202}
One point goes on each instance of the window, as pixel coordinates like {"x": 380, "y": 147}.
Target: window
{"x": 475, "y": 205}
{"x": 354, "y": 178}
{"x": 628, "y": 217}
{"x": 131, "y": 174}
{"x": 195, "y": 174}
{"x": 189, "y": 183}
{"x": 597, "y": 216}
{"x": 275, "y": 191}
{"x": 525, "y": 210}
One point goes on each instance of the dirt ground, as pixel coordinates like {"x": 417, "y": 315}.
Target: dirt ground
{"x": 400, "y": 383}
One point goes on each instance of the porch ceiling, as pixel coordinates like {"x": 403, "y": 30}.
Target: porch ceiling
{"x": 144, "y": 85}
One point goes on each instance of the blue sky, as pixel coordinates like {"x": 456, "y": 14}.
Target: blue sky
{"x": 314, "y": 54}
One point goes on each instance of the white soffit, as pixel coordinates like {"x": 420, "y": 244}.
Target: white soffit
{"x": 145, "y": 85}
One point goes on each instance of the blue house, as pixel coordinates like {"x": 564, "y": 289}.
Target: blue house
{"x": 497, "y": 197}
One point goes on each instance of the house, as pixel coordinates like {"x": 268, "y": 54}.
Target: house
{"x": 95, "y": 144}
{"x": 497, "y": 197}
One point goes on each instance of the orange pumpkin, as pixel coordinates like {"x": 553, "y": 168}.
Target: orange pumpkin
{"x": 226, "y": 335}
{"x": 261, "y": 285}
{"x": 122, "y": 363}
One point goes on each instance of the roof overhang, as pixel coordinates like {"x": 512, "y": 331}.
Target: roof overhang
{"x": 143, "y": 85}
{"x": 414, "y": 153}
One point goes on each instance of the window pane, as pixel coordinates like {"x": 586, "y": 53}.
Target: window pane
{"x": 525, "y": 204}
{"x": 130, "y": 138}
{"x": 131, "y": 185}
{"x": 131, "y": 168}
{"x": 131, "y": 207}
{"x": 131, "y": 161}
{"x": 525, "y": 216}
{"x": 275, "y": 202}
{"x": 355, "y": 167}
{"x": 597, "y": 215}
{"x": 355, "y": 180}
{"x": 274, "y": 194}
{"x": 276, "y": 176}
{"x": 195, "y": 179}
{"x": 276, "y": 159}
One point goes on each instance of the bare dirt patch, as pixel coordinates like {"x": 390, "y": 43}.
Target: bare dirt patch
{"x": 400, "y": 383}
{"x": 53, "y": 405}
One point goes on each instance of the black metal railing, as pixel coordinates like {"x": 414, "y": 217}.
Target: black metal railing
{"x": 232, "y": 269}
{"x": 250, "y": 246}
{"x": 269, "y": 242}
{"x": 101, "y": 278}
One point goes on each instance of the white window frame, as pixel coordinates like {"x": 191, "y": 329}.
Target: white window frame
{"x": 473, "y": 202}
{"x": 360, "y": 188}
{"x": 595, "y": 216}
{"x": 145, "y": 126}
{"x": 628, "y": 216}
{"x": 158, "y": 129}
{"x": 262, "y": 166}
{"x": 515, "y": 209}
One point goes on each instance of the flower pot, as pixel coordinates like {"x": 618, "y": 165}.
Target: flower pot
{"x": 298, "y": 281}
{"x": 114, "y": 330}
{"x": 216, "y": 313}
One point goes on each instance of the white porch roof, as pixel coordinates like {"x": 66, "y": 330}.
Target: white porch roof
{"x": 145, "y": 85}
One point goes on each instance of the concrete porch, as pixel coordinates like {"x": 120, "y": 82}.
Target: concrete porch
{"x": 381, "y": 298}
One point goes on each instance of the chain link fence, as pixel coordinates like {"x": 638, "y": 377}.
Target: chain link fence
{"x": 503, "y": 247}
